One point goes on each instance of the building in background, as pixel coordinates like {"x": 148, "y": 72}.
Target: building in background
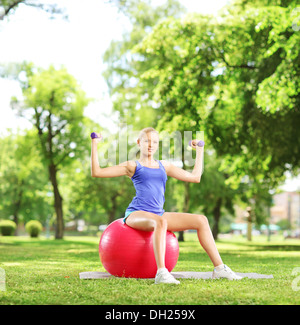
{"x": 284, "y": 212}
{"x": 286, "y": 206}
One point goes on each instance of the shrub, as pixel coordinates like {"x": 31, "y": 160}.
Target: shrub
{"x": 34, "y": 228}
{"x": 7, "y": 227}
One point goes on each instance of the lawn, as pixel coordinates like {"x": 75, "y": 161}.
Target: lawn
{"x": 46, "y": 272}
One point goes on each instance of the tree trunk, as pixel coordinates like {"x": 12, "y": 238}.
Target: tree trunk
{"x": 17, "y": 205}
{"x": 16, "y": 220}
{"x": 180, "y": 236}
{"x": 112, "y": 212}
{"x": 217, "y": 215}
{"x": 59, "y": 231}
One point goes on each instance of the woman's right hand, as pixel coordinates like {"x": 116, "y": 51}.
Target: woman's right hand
{"x": 98, "y": 138}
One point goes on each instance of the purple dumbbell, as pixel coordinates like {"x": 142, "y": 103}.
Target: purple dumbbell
{"x": 199, "y": 144}
{"x": 94, "y": 135}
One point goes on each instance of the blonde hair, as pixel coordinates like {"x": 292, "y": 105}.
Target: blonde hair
{"x": 147, "y": 130}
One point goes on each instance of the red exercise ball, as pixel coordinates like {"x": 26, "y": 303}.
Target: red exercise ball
{"x": 127, "y": 252}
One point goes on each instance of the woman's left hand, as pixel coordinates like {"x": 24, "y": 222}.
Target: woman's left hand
{"x": 194, "y": 143}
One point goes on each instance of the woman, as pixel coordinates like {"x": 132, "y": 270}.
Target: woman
{"x": 145, "y": 212}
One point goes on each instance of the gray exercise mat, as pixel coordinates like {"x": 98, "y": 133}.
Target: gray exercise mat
{"x": 178, "y": 275}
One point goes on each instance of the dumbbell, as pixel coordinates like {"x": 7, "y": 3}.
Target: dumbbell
{"x": 94, "y": 135}
{"x": 199, "y": 144}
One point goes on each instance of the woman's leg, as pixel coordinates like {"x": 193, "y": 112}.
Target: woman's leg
{"x": 147, "y": 221}
{"x": 184, "y": 221}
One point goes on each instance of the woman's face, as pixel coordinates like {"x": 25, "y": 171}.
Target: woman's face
{"x": 148, "y": 143}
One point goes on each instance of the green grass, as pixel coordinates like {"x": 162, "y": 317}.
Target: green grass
{"x": 46, "y": 272}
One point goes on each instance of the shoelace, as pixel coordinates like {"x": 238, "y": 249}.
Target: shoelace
{"x": 227, "y": 269}
{"x": 166, "y": 276}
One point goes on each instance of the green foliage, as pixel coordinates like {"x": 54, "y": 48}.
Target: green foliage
{"x": 57, "y": 102}
{"x": 220, "y": 74}
{"x": 263, "y": 71}
{"x": 34, "y": 228}
{"x": 10, "y": 6}
{"x": 234, "y": 77}
{"x": 233, "y": 61}
{"x": 135, "y": 104}
{"x": 284, "y": 224}
{"x": 7, "y": 227}
{"x": 23, "y": 178}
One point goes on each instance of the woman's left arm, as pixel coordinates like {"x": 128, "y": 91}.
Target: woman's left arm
{"x": 184, "y": 175}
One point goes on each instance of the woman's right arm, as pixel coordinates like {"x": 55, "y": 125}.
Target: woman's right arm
{"x": 113, "y": 171}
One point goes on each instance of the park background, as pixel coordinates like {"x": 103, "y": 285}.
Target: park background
{"x": 228, "y": 68}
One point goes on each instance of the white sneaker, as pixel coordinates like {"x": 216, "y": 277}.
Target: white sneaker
{"x": 226, "y": 273}
{"x": 164, "y": 276}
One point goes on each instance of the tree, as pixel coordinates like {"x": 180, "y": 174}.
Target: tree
{"x": 256, "y": 108}
{"x": 53, "y": 102}
{"x": 212, "y": 72}
{"x": 217, "y": 69}
{"x": 7, "y": 7}
{"x": 23, "y": 182}
{"x": 135, "y": 104}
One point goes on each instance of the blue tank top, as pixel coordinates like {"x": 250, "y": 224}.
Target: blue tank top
{"x": 150, "y": 185}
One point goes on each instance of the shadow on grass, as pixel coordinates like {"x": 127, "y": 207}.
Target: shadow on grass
{"x": 264, "y": 247}
{"x": 48, "y": 242}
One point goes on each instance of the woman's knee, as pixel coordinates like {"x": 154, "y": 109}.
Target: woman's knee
{"x": 161, "y": 223}
{"x": 202, "y": 220}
